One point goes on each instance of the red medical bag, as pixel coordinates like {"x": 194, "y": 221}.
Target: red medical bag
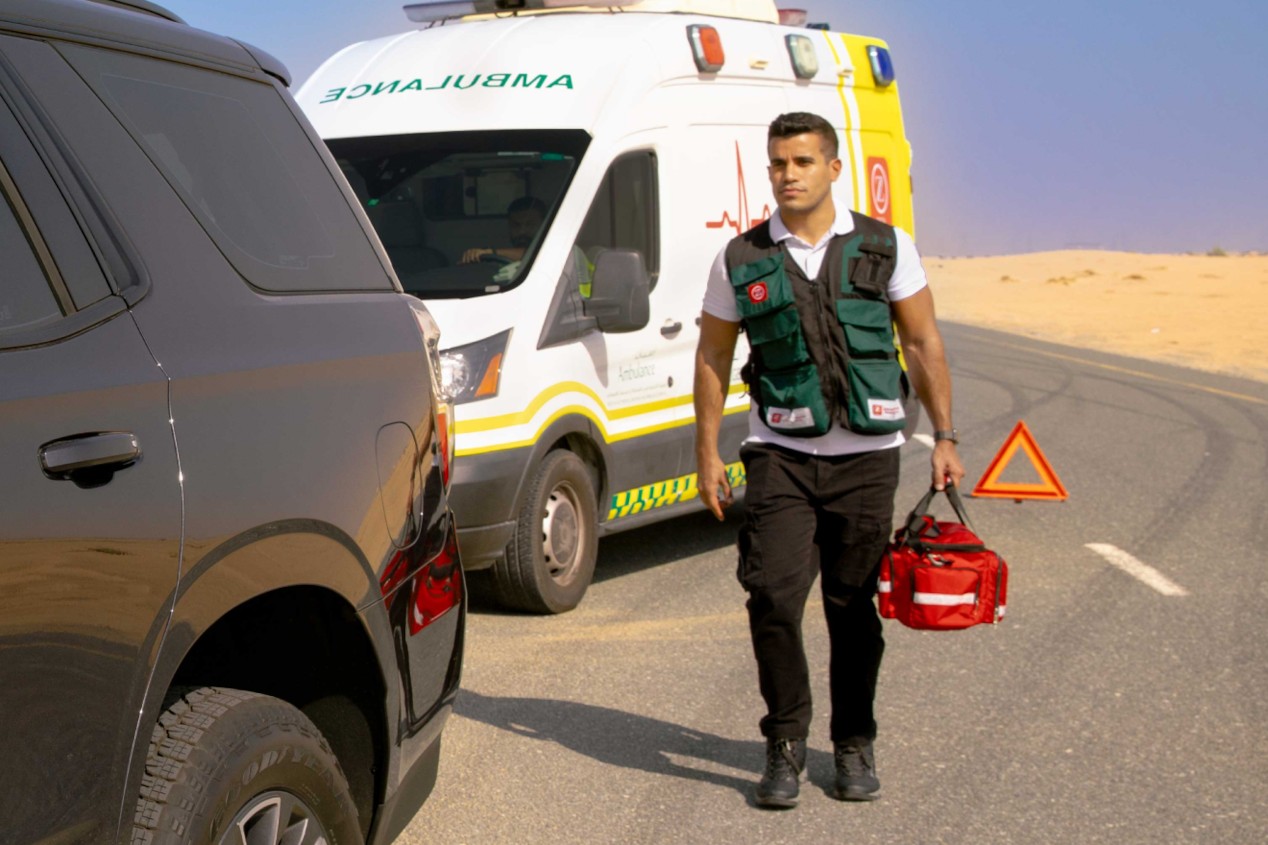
{"x": 939, "y": 576}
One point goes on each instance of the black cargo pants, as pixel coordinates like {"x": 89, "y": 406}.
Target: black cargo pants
{"x": 806, "y": 516}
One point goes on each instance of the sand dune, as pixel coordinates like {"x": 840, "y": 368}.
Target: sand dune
{"x": 1206, "y": 312}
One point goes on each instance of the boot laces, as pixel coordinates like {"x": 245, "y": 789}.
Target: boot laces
{"x": 852, "y": 760}
{"x": 781, "y": 762}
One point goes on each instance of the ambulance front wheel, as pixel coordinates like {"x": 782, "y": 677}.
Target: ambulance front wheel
{"x": 549, "y": 562}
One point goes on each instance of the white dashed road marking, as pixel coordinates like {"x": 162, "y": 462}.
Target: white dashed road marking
{"x": 926, "y": 439}
{"x": 1140, "y": 571}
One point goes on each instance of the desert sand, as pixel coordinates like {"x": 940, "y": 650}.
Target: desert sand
{"x": 1200, "y": 311}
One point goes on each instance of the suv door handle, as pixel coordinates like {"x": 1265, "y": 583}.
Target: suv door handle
{"x": 89, "y": 460}
{"x": 671, "y": 329}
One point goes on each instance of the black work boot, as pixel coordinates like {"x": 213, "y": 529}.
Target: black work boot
{"x": 785, "y": 763}
{"x": 856, "y": 771}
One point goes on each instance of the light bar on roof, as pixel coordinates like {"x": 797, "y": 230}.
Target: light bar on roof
{"x": 426, "y": 11}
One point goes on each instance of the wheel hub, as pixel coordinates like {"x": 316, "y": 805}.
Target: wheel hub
{"x": 275, "y": 818}
{"x": 562, "y": 532}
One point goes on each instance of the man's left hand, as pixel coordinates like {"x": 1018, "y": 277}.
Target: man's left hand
{"x": 946, "y": 465}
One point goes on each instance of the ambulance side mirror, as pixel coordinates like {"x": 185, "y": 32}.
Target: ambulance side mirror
{"x": 619, "y": 292}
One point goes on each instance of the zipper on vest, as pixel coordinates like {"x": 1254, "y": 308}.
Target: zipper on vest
{"x": 824, "y": 329}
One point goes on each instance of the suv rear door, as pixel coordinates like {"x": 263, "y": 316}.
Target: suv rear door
{"x": 89, "y": 549}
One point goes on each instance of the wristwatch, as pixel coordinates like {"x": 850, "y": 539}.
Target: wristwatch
{"x": 952, "y": 435}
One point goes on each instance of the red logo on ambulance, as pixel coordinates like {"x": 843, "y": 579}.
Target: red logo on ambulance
{"x": 757, "y": 293}
{"x": 878, "y": 188}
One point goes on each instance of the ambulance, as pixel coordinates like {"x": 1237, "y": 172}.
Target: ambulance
{"x": 555, "y": 184}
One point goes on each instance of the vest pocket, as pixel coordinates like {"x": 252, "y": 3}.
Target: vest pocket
{"x": 792, "y": 402}
{"x": 761, "y": 287}
{"x": 778, "y": 339}
{"x": 869, "y": 328}
{"x": 876, "y": 404}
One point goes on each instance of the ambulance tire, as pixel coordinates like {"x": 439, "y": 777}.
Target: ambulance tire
{"x": 223, "y": 758}
{"x": 549, "y": 562}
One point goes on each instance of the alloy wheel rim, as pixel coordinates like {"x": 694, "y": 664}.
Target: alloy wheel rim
{"x": 563, "y": 532}
{"x": 275, "y": 818}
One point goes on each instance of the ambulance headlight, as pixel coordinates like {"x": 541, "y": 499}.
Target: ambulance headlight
{"x": 882, "y": 65}
{"x": 472, "y": 372}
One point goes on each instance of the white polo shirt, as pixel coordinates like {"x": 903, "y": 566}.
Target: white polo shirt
{"x": 719, "y": 301}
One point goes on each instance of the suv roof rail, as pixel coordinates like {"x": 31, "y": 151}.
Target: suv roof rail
{"x": 144, "y": 7}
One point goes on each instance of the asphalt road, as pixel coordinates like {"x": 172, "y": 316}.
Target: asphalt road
{"x": 1101, "y": 710}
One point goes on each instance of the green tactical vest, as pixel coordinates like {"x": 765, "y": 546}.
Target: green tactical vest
{"x": 822, "y": 351}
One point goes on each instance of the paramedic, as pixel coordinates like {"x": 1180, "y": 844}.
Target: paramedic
{"x": 821, "y": 460}
{"x": 524, "y": 216}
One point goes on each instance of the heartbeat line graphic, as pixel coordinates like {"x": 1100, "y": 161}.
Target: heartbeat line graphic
{"x": 744, "y": 222}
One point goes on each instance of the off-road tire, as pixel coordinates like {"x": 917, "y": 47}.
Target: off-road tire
{"x": 521, "y": 578}
{"x": 213, "y": 750}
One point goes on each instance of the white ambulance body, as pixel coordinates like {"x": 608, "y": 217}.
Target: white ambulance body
{"x": 604, "y": 131}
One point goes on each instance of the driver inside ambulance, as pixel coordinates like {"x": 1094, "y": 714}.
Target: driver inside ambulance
{"x": 525, "y": 217}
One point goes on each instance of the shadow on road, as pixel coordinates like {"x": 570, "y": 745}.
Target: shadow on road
{"x": 625, "y": 739}
{"x": 664, "y": 542}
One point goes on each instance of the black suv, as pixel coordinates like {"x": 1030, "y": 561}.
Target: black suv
{"x": 231, "y": 603}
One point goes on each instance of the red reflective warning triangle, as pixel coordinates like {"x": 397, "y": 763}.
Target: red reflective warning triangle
{"x": 1049, "y": 488}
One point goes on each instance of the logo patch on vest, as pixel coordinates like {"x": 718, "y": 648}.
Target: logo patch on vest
{"x": 885, "y": 409}
{"x": 789, "y": 419}
{"x": 757, "y": 293}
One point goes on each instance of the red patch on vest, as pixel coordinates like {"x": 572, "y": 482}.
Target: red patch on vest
{"x": 757, "y": 293}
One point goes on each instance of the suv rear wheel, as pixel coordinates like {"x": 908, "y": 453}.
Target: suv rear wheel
{"x": 238, "y": 768}
{"x": 549, "y": 562}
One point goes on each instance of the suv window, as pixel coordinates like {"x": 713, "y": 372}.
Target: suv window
{"x": 46, "y": 218}
{"x": 245, "y": 167}
{"x": 26, "y": 300}
{"x": 625, "y": 213}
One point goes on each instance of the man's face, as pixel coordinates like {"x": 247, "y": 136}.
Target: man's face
{"x": 800, "y": 173}
{"x": 524, "y": 226}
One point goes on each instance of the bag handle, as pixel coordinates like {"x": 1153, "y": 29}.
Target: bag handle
{"x": 922, "y": 507}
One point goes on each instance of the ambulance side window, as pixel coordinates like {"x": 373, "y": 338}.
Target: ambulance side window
{"x": 625, "y": 213}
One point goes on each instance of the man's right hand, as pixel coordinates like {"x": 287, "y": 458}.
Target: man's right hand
{"x": 710, "y": 475}
{"x": 471, "y": 256}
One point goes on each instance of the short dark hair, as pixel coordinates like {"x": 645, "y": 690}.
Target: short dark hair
{"x": 526, "y": 204}
{"x": 800, "y": 123}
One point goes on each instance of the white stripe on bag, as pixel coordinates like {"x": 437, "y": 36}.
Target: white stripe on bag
{"x": 884, "y": 586}
{"x": 943, "y": 600}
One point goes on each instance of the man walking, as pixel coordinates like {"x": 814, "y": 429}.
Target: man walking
{"x": 818, "y": 290}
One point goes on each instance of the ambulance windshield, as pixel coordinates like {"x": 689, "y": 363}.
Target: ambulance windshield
{"x": 461, "y": 214}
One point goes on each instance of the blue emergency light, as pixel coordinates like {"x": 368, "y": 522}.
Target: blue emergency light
{"x": 882, "y": 65}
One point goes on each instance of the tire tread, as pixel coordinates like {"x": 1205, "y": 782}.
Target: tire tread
{"x": 515, "y": 576}
{"x": 184, "y": 755}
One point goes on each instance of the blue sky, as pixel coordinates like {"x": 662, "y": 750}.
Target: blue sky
{"x": 1125, "y": 124}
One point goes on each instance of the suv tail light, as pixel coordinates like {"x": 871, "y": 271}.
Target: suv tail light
{"x": 445, "y": 428}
